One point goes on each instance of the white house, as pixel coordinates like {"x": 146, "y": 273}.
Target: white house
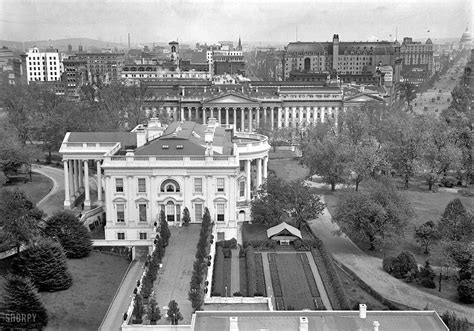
{"x": 152, "y": 169}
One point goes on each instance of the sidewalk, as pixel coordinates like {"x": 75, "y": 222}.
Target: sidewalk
{"x": 369, "y": 269}
{"x": 114, "y": 316}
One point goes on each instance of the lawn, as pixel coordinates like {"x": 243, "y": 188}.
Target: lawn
{"x": 294, "y": 286}
{"x": 36, "y": 189}
{"x": 287, "y": 168}
{"x": 426, "y": 205}
{"x": 82, "y": 306}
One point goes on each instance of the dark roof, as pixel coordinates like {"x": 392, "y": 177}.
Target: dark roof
{"x": 190, "y": 136}
{"x": 126, "y": 139}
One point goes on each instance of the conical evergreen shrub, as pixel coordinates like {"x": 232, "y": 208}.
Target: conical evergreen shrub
{"x": 21, "y": 305}
{"x": 45, "y": 264}
{"x": 164, "y": 230}
{"x": 70, "y": 232}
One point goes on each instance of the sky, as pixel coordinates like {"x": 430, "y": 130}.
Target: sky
{"x": 214, "y": 20}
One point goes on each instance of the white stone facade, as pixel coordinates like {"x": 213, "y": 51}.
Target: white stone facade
{"x": 43, "y": 66}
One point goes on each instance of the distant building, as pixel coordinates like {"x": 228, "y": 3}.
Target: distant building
{"x": 348, "y": 60}
{"x": 102, "y": 67}
{"x": 12, "y": 67}
{"x": 75, "y": 76}
{"x": 418, "y": 61}
{"x": 466, "y": 40}
{"x": 44, "y": 66}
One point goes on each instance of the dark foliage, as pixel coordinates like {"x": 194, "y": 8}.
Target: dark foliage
{"x": 454, "y": 323}
{"x": 70, "y": 232}
{"x": 466, "y": 290}
{"x": 251, "y": 271}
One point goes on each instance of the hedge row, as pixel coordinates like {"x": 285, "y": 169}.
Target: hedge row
{"x": 227, "y": 277}
{"x": 309, "y": 275}
{"x": 261, "y": 245}
{"x": 280, "y": 304}
{"x": 243, "y": 276}
{"x": 231, "y": 243}
{"x": 330, "y": 278}
{"x": 251, "y": 271}
{"x": 200, "y": 265}
{"x": 260, "y": 287}
{"x": 274, "y": 275}
{"x": 218, "y": 278}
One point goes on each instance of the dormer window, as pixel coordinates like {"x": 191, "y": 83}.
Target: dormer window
{"x": 179, "y": 146}
{"x": 165, "y": 146}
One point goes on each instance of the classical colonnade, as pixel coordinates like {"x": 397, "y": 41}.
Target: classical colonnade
{"x": 261, "y": 174}
{"x": 250, "y": 118}
{"x": 76, "y": 181}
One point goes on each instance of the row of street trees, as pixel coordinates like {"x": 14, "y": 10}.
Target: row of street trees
{"x": 377, "y": 139}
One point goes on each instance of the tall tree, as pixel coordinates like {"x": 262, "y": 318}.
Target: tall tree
{"x": 70, "y": 232}
{"x": 408, "y": 93}
{"x": 20, "y": 298}
{"x": 302, "y": 203}
{"x": 378, "y": 214}
{"x": 153, "y": 312}
{"x": 268, "y": 205}
{"x": 456, "y": 223}
{"x": 426, "y": 235}
{"x": 19, "y": 218}
{"x": 45, "y": 264}
{"x": 328, "y": 157}
{"x": 174, "y": 315}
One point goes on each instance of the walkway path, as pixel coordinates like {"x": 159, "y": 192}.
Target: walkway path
{"x": 235, "y": 272}
{"x": 54, "y": 200}
{"x": 174, "y": 278}
{"x": 369, "y": 269}
{"x": 319, "y": 282}
{"x": 268, "y": 279}
{"x": 120, "y": 303}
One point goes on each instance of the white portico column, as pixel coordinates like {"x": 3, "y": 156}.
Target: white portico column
{"x": 286, "y": 117}
{"x": 322, "y": 114}
{"x": 81, "y": 176}
{"x": 278, "y": 118}
{"x": 219, "y": 115}
{"x": 257, "y": 125}
{"x": 226, "y": 116}
{"x": 272, "y": 112}
{"x": 247, "y": 178}
{"x": 190, "y": 118}
{"x": 250, "y": 119}
{"x": 234, "y": 122}
{"x": 265, "y": 167}
{"x": 87, "y": 199}
{"x": 300, "y": 115}
{"x": 308, "y": 117}
{"x": 67, "y": 201}
{"x": 182, "y": 114}
{"x": 242, "y": 120}
{"x": 75, "y": 170}
{"x": 71, "y": 181}
{"x": 259, "y": 172}
{"x": 99, "y": 182}
{"x": 293, "y": 116}
{"x": 212, "y": 112}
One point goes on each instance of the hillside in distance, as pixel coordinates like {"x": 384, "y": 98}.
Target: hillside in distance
{"x": 61, "y": 44}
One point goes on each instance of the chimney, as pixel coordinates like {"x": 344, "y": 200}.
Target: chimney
{"x": 141, "y": 137}
{"x": 233, "y": 324}
{"x": 362, "y": 310}
{"x": 376, "y": 325}
{"x": 303, "y": 324}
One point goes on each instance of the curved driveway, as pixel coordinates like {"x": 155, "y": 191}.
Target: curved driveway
{"x": 369, "y": 269}
{"x": 54, "y": 200}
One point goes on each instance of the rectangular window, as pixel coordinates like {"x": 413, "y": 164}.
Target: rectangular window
{"x": 220, "y": 184}
{"x": 198, "y": 185}
{"x": 142, "y": 212}
{"x": 121, "y": 235}
{"x": 220, "y": 212}
{"x": 141, "y": 185}
{"x": 142, "y": 235}
{"x": 120, "y": 212}
{"x": 198, "y": 212}
{"x": 242, "y": 189}
{"x": 118, "y": 184}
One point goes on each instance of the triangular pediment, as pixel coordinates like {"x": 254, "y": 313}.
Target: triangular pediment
{"x": 230, "y": 98}
{"x": 363, "y": 98}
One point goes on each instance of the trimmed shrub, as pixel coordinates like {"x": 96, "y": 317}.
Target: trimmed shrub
{"x": 297, "y": 243}
{"x": 165, "y": 232}
{"x": 466, "y": 291}
{"x": 227, "y": 253}
{"x": 186, "y": 216}
{"x": 153, "y": 312}
{"x": 427, "y": 275}
{"x": 70, "y": 232}
{"x": 45, "y": 264}
{"x": 218, "y": 279}
{"x": 233, "y": 243}
{"x": 250, "y": 262}
{"x": 404, "y": 264}
{"x": 454, "y": 323}
{"x": 260, "y": 286}
{"x": 464, "y": 273}
{"x": 21, "y": 297}
{"x": 387, "y": 263}
{"x": 138, "y": 310}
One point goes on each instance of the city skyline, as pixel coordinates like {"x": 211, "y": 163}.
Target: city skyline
{"x": 203, "y": 21}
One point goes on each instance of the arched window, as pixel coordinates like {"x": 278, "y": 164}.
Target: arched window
{"x": 307, "y": 64}
{"x": 170, "y": 185}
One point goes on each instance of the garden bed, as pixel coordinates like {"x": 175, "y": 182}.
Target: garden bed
{"x": 260, "y": 287}
{"x": 243, "y": 276}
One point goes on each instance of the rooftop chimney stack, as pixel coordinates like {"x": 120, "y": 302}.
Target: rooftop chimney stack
{"x": 303, "y": 324}
{"x": 376, "y": 325}
{"x": 233, "y": 324}
{"x": 362, "y": 310}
